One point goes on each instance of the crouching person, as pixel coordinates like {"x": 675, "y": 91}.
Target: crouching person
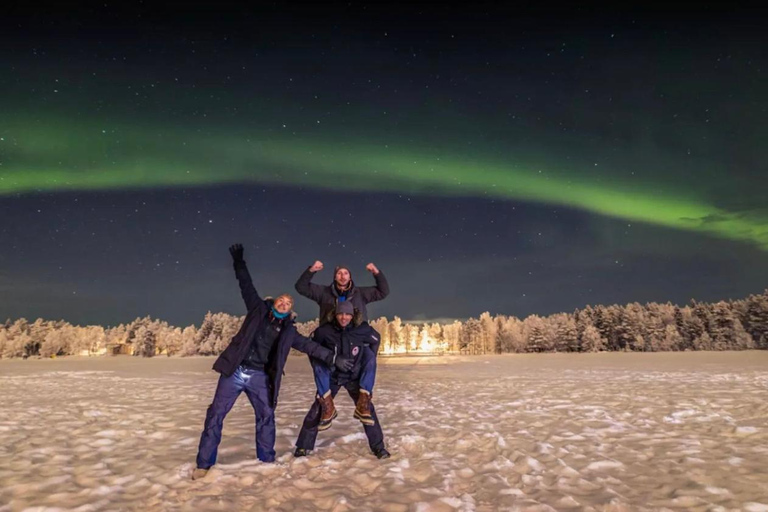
{"x": 253, "y": 363}
{"x": 346, "y": 340}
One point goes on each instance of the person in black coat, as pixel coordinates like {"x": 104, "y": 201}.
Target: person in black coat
{"x": 360, "y": 342}
{"x": 253, "y": 363}
{"x": 341, "y": 289}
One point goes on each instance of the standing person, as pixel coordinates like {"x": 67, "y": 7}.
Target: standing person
{"x": 360, "y": 343}
{"x": 341, "y": 289}
{"x": 253, "y": 363}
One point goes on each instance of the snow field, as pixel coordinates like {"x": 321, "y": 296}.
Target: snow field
{"x": 599, "y": 432}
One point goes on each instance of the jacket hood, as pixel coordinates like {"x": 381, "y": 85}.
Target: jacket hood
{"x": 330, "y": 318}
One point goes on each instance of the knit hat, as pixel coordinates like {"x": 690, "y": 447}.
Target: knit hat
{"x": 345, "y": 307}
{"x": 339, "y": 267}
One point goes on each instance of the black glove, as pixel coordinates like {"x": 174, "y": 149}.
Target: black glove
{"x": 237, "y": 253}
{"x": 344, "y": 364}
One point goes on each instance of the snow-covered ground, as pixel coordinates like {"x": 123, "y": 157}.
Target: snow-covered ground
{"x": 520, "y": 432}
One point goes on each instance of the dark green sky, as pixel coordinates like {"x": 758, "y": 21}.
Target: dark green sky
{"x": 649, "y": 120}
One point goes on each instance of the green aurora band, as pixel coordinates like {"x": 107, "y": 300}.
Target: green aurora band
{"x": 48, "y": 157}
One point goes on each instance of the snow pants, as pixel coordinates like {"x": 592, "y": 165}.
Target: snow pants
{"x": 255, "y": 383}
{"x": 308, "y": 434}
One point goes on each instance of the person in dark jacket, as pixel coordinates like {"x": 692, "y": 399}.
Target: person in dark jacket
{"x": 347, "y": 340}
{"x": 253, "y": 363}
{"x": 341, "y": 289}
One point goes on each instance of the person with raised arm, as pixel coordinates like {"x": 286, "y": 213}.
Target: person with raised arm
{"x": 253, "y": 363}
{"x": 341, "y": 290}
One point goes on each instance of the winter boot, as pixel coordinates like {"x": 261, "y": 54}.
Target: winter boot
{"x": 381, "y": 453}
{"x": 300, "y": 452}
{"x": 199, "y": 473}
{"x": 327, "y": 411}
{"x": 363, "y": 408}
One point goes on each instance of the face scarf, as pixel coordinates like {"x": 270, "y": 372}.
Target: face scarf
{"x": 279, "y": 315}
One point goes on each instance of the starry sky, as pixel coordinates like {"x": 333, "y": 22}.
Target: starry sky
{"x": 516, "y": 160}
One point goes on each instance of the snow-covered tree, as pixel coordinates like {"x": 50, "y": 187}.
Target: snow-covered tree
{"x": 672, "y": 339}
{"x": 169, "y": 341}
{"x": 537, "y": 338}
{"x": 703, "y": 342}
{"x": 626, "y": 327}
{"x": 452, "y": 336}
{"x": 469, "y": 337}
{"x": 566, "y": 334}
{"x": 756, "y": 323}
{"x": 741, "y": 338}
{"x": 37, "y": 334}
{"x": 411, "y": 335}
{"x": 53, "y": 344}
{"x": 189, "y": 346}
{"x": 144, "y": 342}
{"x": 722, "y": 326}
{"x": 203, "y": 341}
{"x": 601, "y": 319}
{"x": 396, "y": 339}
{"x": 488, "y": 334}
{"x": 591, "y": 340}
{"x": 16, "y": 344}
{"x": 3, "y": 340}
{"x": 511, "y": 337}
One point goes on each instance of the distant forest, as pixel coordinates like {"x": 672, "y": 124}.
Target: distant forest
{"x": 724, "y": 325}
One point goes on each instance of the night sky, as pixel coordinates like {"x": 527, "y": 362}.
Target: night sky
{"x": 511, "y": 160}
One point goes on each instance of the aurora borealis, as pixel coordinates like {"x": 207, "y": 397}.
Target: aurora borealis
{"x": 354, "y": 167}
{"x": 624, "y": 148}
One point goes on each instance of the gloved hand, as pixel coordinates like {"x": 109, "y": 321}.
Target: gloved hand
{"x": 344, "y": 364}
{"x": 237, "y": 253}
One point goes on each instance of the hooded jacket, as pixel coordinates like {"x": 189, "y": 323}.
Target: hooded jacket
{"x": 326, "y": 296}
{"x": 256, "y": 318}
{"x": 348, "y": 341}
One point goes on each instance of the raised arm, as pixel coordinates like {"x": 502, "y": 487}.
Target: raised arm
{"x": 247, "y": 290}
{"x": 304, "y": 286}
{"x": 378, "y": 292}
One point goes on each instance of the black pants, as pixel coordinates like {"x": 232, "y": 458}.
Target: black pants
{"x": 308, "y": 433}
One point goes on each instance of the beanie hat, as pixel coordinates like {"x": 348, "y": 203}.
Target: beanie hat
{"x": 345, "y": 307}
{"x": 339, "y": 267}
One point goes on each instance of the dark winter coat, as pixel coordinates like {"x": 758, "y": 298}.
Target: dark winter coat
{"x": 326, "y": 296}
{"x": 258, "y": 314}
{"x": 348, "y": 341}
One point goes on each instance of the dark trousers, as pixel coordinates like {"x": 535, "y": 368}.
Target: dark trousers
{"x": 367, "y": 372}
{"x": 255, "y": 383}
{"x": 308, "y": 433}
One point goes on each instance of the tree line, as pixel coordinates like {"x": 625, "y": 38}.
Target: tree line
{"x": 652, "y": 327}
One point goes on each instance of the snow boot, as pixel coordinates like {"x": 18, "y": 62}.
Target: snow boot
{"x": 301, "y": 452}
{"x": 381, "y": 453}
{"x": 199, "y": 473}
{"x": 363, "y": 408}
{"x": 327, "y": 411}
